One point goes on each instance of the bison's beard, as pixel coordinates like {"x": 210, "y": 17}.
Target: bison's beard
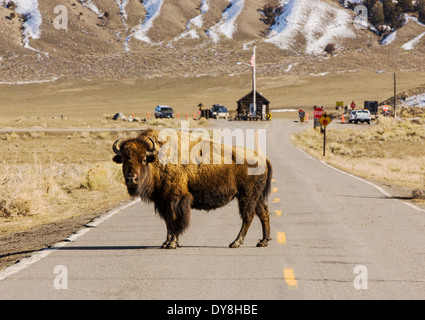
{"x": 143, "y": 190}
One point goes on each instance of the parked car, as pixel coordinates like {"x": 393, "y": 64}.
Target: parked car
{"x": 362, "y": 116}
{"x": 164, "y": 112}
{"x": 352, "y": 116}
{"x": 219, "y": 111}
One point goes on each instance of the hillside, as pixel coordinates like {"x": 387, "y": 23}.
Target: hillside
{"x": 192, "y": 38}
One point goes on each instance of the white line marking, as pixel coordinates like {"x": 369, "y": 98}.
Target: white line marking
{"x": 365, "y": 181}
{"x": 411, "y": 205}
{"x": 24, "y": 263}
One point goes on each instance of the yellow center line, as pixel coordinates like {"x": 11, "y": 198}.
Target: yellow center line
{"x": 274, "y": 189}
{"x": 278, "y": 212}
{"x": 276, "y": 200}
{"x": 281, "y": 238}
{"x": 290, "y": 278}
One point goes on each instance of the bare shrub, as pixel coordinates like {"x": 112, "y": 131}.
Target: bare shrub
{"x": 330, "y": 49}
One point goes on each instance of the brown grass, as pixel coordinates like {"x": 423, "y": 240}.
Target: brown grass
{"x": 391, "y": 152}
{"x": 46, "y": 177}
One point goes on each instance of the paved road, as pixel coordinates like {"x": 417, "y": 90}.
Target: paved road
{"x": 335, "y": 237}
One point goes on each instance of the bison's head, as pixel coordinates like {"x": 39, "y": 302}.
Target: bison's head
{"x": 136, "y": 155}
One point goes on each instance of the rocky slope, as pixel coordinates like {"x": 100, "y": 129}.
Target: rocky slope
{"x": 192, "y": 38}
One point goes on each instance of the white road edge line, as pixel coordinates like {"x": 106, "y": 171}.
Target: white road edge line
{"x": 365, "y": 181}
{"x": 37, "y": 256}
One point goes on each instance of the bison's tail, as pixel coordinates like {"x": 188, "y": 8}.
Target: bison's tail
{"x": 268, "y": 187}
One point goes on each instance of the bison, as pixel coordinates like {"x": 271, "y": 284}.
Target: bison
{"x": 175, "y": 189}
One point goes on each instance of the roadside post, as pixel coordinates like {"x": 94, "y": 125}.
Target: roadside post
{"x": 317, "y": 113}
{"x": 324, "y": 120}
{"x": 385, "y": 109}
{"x": 301, "y": 114}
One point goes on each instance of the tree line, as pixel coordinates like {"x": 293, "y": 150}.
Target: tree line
{"x": 386, "y": 12}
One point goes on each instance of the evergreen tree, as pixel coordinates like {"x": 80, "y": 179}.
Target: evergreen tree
{"x": 369, "y": 4}
{"x": 406, "y": 5}
{"x": 392, "y": 14}
{"x": 420, "y": 9}
{"x": 377, "y": 14}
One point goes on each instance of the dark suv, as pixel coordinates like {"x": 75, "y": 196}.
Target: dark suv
{"x": 163, "y": 112}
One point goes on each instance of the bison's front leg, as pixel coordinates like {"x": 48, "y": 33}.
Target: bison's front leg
{"x": 246, "y": 222}
{"x": 168, "y": 244}
{"x": 177, "y": 217}
{"x": 246, "y": 211}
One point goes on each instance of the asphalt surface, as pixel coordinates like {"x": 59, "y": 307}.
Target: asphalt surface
{"x": 334, "y": 237}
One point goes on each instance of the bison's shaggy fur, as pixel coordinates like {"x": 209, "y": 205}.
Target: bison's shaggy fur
{"x": 177, "y": 188}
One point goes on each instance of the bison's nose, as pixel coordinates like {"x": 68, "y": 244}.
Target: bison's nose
{"x": 131, "y": 180}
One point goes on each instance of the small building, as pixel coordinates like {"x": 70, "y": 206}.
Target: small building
{"x": 246, "y": 109}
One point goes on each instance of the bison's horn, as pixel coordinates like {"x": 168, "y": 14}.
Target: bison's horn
{"x": 115, "y": 147}
{"x": 153, "y": 145}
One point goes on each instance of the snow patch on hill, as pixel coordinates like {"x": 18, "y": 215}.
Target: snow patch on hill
{"x": 317, "y": 22}
{"x": 89, "y": 4}
{"x": 121, "y": 5}
{"x": 390, "y": 38}
{"x": 153, "y": 9}
{"x": 227, "y": 25}
{"x": 410, "y": 45}
{"x": 415, "y": 101}
{"x": 29, "y": 9}
{"x": 195, "y": 23}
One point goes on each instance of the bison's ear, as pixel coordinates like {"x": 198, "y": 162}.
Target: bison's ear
{"x": 117, "y": 159}
{"x": 150, "y": 158}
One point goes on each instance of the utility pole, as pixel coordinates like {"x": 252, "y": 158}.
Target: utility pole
{"x": 395, "y": 94}
{"x": 254, "y": 84}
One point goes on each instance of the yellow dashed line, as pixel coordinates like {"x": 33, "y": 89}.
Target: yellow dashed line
{"x": 274, "y": 190}
{"x": 273, "y": 180}
{"x": 276, "y": 200}
{"x": 278, "y": 212}
{"x": 281, "y": 238}
{"x": 290, "y": 278}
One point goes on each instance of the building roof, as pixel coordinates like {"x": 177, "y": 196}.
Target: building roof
{"x": 249, "y": 97}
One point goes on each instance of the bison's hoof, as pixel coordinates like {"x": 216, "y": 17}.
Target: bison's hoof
{"x": 172, "y": 245}
{"x": 235, "y": 244}
{"x": 263, "y": 243}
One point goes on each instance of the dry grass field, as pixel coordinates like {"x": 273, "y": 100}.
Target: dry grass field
{"x": 46, "y": 177}
{"x": 391, "y": 152}
{"x": 80, "y": 101}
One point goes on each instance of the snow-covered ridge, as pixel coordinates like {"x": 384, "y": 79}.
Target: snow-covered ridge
{"x": 410, "y": 45}
{"x": 89, "y": 4}
{"x": 29, "y": 9}
{"x": 227, "y": 25}
{"x": 153, "y": 9}
{"x": 415, "y": 101}
{"x": 195, "y": 23}
{"x": 122, "y": 4}
{"x": 317, "y": 22}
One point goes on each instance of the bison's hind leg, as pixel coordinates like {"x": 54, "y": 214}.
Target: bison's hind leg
{"x": 262, "y": 211}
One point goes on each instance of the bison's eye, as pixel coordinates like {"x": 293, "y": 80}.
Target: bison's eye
{"x": 144, "y": 160}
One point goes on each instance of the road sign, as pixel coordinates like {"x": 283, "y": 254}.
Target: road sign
{"x": 318, "y": 113}
{"x": 385, "y": 108}
{"x": 339, "y": 104}
{"x": 353, "y": 105}
{"x": 325, "y": 120}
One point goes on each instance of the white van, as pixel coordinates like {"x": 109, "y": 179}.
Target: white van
{"x": 362, "y": 116}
